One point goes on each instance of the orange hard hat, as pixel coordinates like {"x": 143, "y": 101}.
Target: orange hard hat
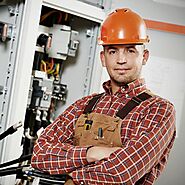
{"x": 123, "y": 26}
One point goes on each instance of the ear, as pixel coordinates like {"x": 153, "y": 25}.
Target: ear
{"x": 145, "y": 56}
{"x": 102, "y": 57}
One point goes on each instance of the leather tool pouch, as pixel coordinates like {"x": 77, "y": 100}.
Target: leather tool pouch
{"x": 104, "y": 130}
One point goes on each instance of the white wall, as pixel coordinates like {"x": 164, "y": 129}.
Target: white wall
{"x": 165, "y": 73}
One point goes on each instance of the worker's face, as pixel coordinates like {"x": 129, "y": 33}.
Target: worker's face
{"x": 124, "y": 62}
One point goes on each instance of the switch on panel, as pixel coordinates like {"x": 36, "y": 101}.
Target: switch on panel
{"x": 5, "y": 31}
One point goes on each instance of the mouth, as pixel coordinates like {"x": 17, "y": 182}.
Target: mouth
{"x": 122, "y": 70}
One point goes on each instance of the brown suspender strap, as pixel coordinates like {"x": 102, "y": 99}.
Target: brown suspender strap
{"x": 92, "y": 103}
{"x": 135, "y": 101}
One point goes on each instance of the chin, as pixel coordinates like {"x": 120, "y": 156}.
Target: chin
{"x": 125, "y": 81}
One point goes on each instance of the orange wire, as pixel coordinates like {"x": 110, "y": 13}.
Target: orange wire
{"x": 50, "y": 65}
{"x": 49, "y": 13}
{"x": 46, "y": 15}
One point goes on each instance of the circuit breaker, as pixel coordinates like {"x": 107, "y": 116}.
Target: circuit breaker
{"x": 52, "y": 51}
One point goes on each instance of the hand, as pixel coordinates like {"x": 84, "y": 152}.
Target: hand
{"x": 97, "y": 153}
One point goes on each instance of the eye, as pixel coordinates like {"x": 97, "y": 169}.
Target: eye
{"x": 112, "y": 51}
{"x": 131, "y": 50}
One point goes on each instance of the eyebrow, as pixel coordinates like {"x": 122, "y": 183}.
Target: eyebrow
{"x": 110, "y": 47}
{"x": 114, "y": 47}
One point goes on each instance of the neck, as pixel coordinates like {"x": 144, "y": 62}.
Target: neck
{"x": 114, "y": 90}
{"x": 115, "y": 86}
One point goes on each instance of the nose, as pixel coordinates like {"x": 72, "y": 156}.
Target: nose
{"x": 121, "y": 57}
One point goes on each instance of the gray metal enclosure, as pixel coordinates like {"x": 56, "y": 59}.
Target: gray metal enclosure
{"x": 10, "y": 16}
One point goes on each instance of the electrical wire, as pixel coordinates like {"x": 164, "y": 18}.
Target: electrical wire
{"x": 10, "y": 130}
{"x": 57, "y": 69}
{"x": 50, "y": 13}
{"x": 21, "y": 159}
{"x": 50, "y": 67}
{"x": 47, "y": 15}
{"x": 53, "y": 70}
{"x": 66, "y": 17}
{"x": 12, "y": 170}
{"x": 43, "y": 66}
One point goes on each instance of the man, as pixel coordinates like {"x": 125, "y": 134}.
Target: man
{"x": 122, "y": 136}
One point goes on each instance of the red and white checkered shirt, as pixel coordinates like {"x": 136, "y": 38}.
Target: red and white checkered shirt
{"x": 147, "y": 134}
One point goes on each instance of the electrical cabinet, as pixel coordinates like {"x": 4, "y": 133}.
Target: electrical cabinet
{"x": 10, "y": 21}
{"x": 49, "y": 59}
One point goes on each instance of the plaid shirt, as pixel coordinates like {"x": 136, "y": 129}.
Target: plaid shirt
{"x": 147, "y": 134}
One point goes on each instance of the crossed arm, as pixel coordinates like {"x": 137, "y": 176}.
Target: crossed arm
{"x": 54, "y": 151}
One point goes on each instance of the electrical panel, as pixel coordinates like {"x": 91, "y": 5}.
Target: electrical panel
{"x": 57, "y": 44}
{"x": 60, "y": 69}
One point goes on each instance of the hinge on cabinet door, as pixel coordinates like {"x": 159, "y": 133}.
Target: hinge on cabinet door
{"x": 89, "y": 33}
{"x": 1, "y": 89}
{"x": 12, "y": 10}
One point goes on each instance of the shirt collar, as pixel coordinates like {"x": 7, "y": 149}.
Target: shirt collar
{"x": 134, "y": 88}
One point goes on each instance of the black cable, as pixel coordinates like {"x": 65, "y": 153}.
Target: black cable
{"x": 12, "y": 170}
{"x": 9, "y": 131}
{"x": 19, "y": 160}
{"x": 44, "y": 175}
